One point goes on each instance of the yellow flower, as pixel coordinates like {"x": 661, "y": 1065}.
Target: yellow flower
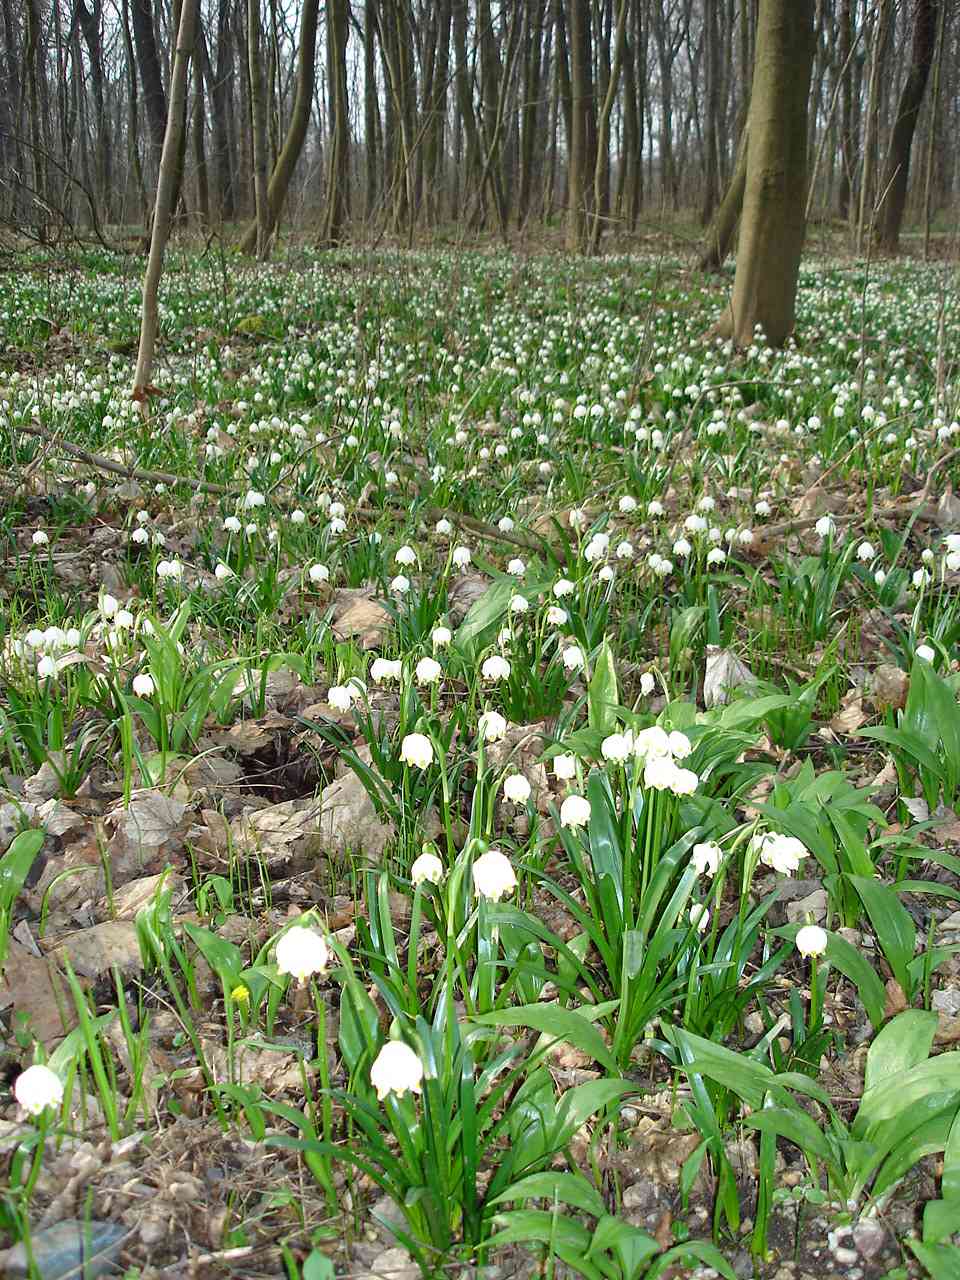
{"x": 240, "y": 994}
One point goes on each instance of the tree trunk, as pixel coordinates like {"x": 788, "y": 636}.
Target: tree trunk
{"x": 773, "y": 224}
{"x": 719, "y": 238}
{"x": 151, "y": 77}
{"x": 338, "y": 157}
{"x": 581, "y": 91}
{"x": 279, "y": 184}
{"x": 167, "y": 184}
{"x": 258, "y": 120}
{"x": 893, "y": 189}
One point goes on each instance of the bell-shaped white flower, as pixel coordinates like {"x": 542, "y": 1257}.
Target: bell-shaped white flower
{"x": 575, "y": 811}
{"x": 811, "y": 941}
{"x": 416, "y": 750}
{"x": 516, "y": 788}
{"x": 38, "y": 1088}
{"x": 397, "y": 1069}
{"x": 493, "y": 875}
{"x": 492, "y": 726}
{"x": 302, "y": 952}
{"x": 427, "y": 867}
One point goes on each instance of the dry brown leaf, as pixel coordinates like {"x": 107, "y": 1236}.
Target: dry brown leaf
{"x": 724, "y": 674}
{"x": 896, "y": 1001}
{"x": 33, "y": 986}
{"x": 850, "y": 718}
{"x": 95, "y": 951}
{"x": 359, "y": 615}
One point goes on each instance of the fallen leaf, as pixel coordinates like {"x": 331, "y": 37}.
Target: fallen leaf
{"x": 32, "y": 986}
{"x": 724, "y": 673}
{"x": 96, "y": 950}
{"x": 359, "y": 615}
{"x": 850, "y": 718}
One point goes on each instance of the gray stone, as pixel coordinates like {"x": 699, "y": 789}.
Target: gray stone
{"x": 869, "y": 1237}
{"x": 947, "y": 1002}
{"x": 813, "y": 907}
{"x": 71, "y": 1247}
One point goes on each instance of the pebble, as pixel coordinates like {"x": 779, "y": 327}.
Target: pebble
{"x": 70, "y": 1248}
{"x": 846, "y": 1257}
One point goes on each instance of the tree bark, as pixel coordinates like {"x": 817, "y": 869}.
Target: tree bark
{"x": 283, "y": 171}
{"x": 258, "y": 120}
{"x": 896, "y": 171}
{"x": 719, "y": 237}
{"x": 338, "y": 156}
{"x": 151, "y": 76}
{"x": 581, "y": 101}
{"x": 773, "y": 225}
{"x": 167, "y": 184}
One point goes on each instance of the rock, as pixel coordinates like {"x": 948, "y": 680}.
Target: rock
{"x": 947, "y": 1002}
{"x": 45, "y": 783}
{"x": 70, "y": 1248}
{"x": 12, "y": 818}
{"x": 464, "y": 593}
{"x": 890, "y": 686}
{"x": 869, "y": 1237}
{"x": 388, "y": 1216}
{"x": 813, "y": 906}
{"x": 951, "y": 924}
{"x": 348, "y": 820}
{"x": 724, "y": 674}
{"x": 95, "y": 951}
{"x": 395, "y": 1264}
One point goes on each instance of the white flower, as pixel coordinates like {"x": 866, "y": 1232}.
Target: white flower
{"x": 695, "y": 524}
{"x": 47, "y": 667}
{"x": 575, "y": 810}
{"x": 880, "y": 577}
{"x": 573, "y": 658}
{"x": 319, "y": 573}
{"x": 124, "y": 619}
{"x": 716, "y": 555}
{"x": 617, "y": 747}
{"x": 925, "y": 652}
{"x": 143, "y": 685}
{"x": 232, "y": 524}
{"x": 406, "y": 556}
{"x": 699, "y": 916}
{"x": 624, "y": 550}
{"x": 495, "y": 668}
{"x": 170, "y": 569}
{"x": 428, "y": 670}
{"x": 493, "y": 875}
{"x": 427, "y": 867}
{"x": 648, "y": 743}
{"x": 40, "y": 539}
{"x": 492, "y": 726}
{"x": 440, "y": 637}
{"x": 782, "y": 853}
{"x": 222, "y": 572}
{"x": 341, "y": 696}
{"x": 659, "y": 773}
{"x": 920, "y": 578}
{"x": 682, "y": 548}
{"x": 109, "y": 604}
{"x": 556, "y": 616}
{"x": 444, "y": 528}
{"x": 385, "y": 669}
{"x": 678, "y": 744}
{"x": 655, "y": 508}
{"x": 865, "y": 551}
{"x": 563, "y": 587}
{"x": 706, "y": 857}
{"x": 824, "y": 526}
{"x": 811, "y": 940}
{"x": 762, "y": 508}
{"x": 397, "y": 1069}
{"x": 627, "y": 504}
{"x": 505, "y": 524}
{"x": 253, "y": 499}
{"x": 461, "y": 557}
{"x": 564, "y": 767}
{"x": 416, "y": 750}
{"x": 140, "y": 537}
{"x": 298, "y": 517}
{"x": 519, "y": 604}
{"x": 647, "y": 683}
{"x": 302, "y": 952}
{"x": 38, "y": 1088}
{"x": 517, "y": 568}
{"x": 607, "y": 573}
{"x": 516, "y": 789}
{"x": 400, "y": 584}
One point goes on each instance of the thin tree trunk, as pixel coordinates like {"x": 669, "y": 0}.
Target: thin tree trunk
{"x": 896, "y": 172}
{"x": 718, "y": 241}
{"x": 166, "y": 196}
{"x": 258, "y": 119}
{"x": 338, "y": 158}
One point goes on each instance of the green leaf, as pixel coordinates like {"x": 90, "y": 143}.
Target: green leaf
{"x": 568, "y": 1025}
{"x": 317, "y": 1266}
{"x": 940, "y": 1218}
{"x": 903, "y": 1043}
{"x": 747, "y": 1079}
{"x": 16, "y": 863}
{"x": 906, "y": 1090}
{"x": 708, "y": 1254}
{"x": 562, "y": 1188}
{"x": 222, "y": 956}
{"x": 632, "y": 1247}
{"x": 894, "y": 929}
{"x": 797, "y": 1127}
{"x": 581, "y": 1102}
{"x": 941, "y": 1260}
{"x": 602, "y": 693}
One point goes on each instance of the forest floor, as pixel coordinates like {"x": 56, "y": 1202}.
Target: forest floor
{"x": 547, "y": 667}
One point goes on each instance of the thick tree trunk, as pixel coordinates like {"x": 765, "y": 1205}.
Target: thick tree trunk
{"x": 151, "y": 77}
{"x": 893, "y": 188}
{"x": 581, "y": 101}
{"x": 167, "y": 184}
{"x": 773, "y": 224}
{"x": 338, "y": 158}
